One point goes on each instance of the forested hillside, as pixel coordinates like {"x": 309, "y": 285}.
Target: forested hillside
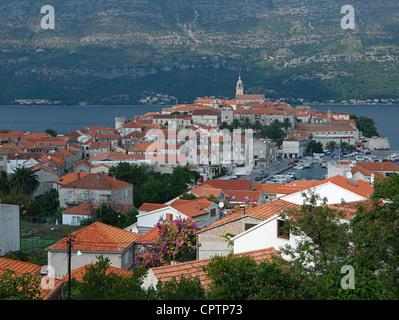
{"x": 108, "y": 51}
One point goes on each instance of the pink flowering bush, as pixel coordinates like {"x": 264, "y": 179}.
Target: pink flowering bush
{"x": 176, "y": 238}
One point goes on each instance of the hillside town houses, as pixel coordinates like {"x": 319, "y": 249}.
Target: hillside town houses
{"x": 76, "y": 165}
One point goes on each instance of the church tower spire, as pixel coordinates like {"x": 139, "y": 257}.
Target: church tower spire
{"x": 239, "y": 86}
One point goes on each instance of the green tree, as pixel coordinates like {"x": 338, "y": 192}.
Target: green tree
{"x": 15, "y": 286}
{"x": 4, "y": 187}
{"x": 274, "y": 280}
{"x": 246, "y": 124}
{"x": 182, "y": 289}
{"x": 331, "y": 146}
{"x": 48, "y": 201}
{"x": 108, "y": 215}
{"x": 24, "y": 180}
{"x": 225, "y": 125}
{"x": 344, "y": 146}
{"x": 100, "y": 284}
{"x": 322, "y": 237}
{"x": 286, "y": 124}
{"x": 274, "y": 131}
{"x": 51, "y": 132}
{"x": 366, "y": 125}
{"x": 314, "y": 147}
{"x": 376, "y": 231}
{"x": 257, "y": 126}
{"x": 236, "y": 123}
{"x": 367, "y": 285}
{"x": 233, "y": 277}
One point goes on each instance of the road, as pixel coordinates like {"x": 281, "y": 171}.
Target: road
{"x": 272, "y": 168}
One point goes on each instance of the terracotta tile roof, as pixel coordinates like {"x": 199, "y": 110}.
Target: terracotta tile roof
{"x": 134, "y": 134}
{"x": 150, "y": 236}
{"x": 133, "y": 124}
{"x": 192, "y": 208}
{"x": 267, "y": 188}
{"x": 100, "y": 145}
{"x": 206, "y": 191}
{"x": 294, "y": 138}
{"x": 236, "y": 184}
{"x": 98, "y": 237}
{"x": 148, "y": 147}
{"x": 12, "y": 134}
{"x": 241, "y": 195}
{"x": 83, "y": 162}
{"x": 267, "y": 210}
{"x": 84, "y": 208}
{"x": 20, "y": 267}
{"x": 37, "y": 136}
{"x": 41, "y": 167}
{"x": 97, "y": 181}
{"x": 350, "y": 208}
{"x": 116, "y": 156}
{"x": 193, "y": 269}
{"x": 105, "y": 136}
{"x": 324, "y": 128}
{"x": 228, "y": 218}
{"x": 298, "y": 185}
{"x": 250, "y": 96}
{"x": 78, "y": 273}
{"x": 359, "y": 187}
{"x": 68, "y": 178}
{"x": 378, "y": 166}
{"x": 146, "y": 206}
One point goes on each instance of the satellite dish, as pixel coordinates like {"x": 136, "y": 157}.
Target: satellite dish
{"x": 349, "y": 175}
{"x": 221, "y": 205}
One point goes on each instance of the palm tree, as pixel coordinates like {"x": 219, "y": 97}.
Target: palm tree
{"x": 331, "y": 145}
{"x": 246, "y": 123}
{"x": 344, "y": 146}
{"x": 257, "y": 126}
{"x": 236, "y": 123}
{"x": 3, "y": 182}
{"x": 24, "y": 180}
{"x": 286, "y": 124}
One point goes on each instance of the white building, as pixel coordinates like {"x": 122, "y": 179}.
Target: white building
{"x": 201, "y": 210}
{"x": 9, "y": 228}
{"x": 295, "y": 146}
{"x": 335, "y": 189}
{"x": 97, "y": 188}
{"x": 90, "y": 242}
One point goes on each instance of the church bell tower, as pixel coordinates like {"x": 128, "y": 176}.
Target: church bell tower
{"x": 239, "y": 87}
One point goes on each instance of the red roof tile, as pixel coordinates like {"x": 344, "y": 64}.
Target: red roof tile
{"x": 97, "y": 181}
{"x": 272, "y": 208}
{"x": 20, "y": 267}
{"x": 78, "y": 273}
{"x": 98, "y": 237}
{"x": 193, "y": 269}
{"x": 236, "y": 184}
{"x": 68, "y": 178}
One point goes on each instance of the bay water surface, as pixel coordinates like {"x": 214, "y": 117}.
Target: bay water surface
{"x": 69, "y": 118}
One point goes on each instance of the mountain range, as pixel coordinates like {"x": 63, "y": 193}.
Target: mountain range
{"x": 108, "y": 51}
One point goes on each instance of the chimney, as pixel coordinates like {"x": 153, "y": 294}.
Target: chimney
{"x": 78, "y": 175}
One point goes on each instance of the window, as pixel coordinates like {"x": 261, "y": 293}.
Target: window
{"x": 281, "y": 233}
{"x": 249, "y": 226}
{"x": 213, "y": 212}
{"x": 169, "y": 216}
